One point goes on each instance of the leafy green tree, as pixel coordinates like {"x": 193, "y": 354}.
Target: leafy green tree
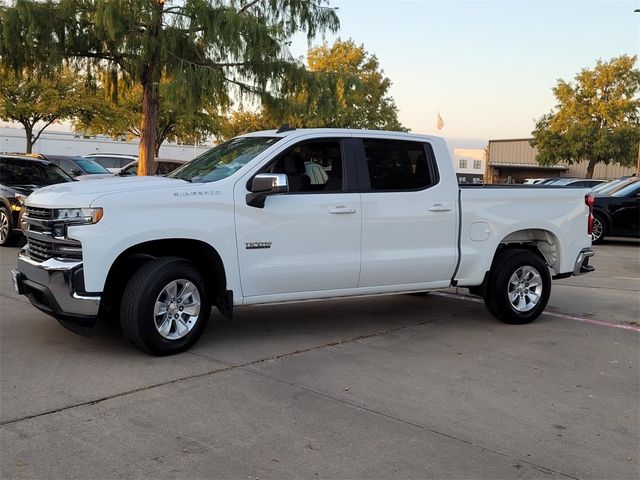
{"x": 209, "y": 48}
{"x": 243, "y": 121}
{"x": 177, "y": 121}
{"x": 596, "y": 118}
{"x": 36, "y": 99}
{"x": 361, "y": 99}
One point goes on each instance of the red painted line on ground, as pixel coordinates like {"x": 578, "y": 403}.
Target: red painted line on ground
{"x": 592, "y": 321}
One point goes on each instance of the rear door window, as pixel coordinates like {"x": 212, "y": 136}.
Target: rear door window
{"x": 398, "y": 165}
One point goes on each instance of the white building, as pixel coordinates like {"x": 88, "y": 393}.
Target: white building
{"x": 68, "y": 143}
{"x": 469, "y": 164}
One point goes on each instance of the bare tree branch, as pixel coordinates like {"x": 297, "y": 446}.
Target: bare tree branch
{"x": 248, "y": 6}
{"x": 209, "y": 65}
{"x": 37, "y": 136}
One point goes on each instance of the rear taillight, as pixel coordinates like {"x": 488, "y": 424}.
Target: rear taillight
{"x": 589, "y": 200}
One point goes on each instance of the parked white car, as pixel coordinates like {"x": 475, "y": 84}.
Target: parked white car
{"x": 160, "y": 167}
{"x": 243, "y": 224}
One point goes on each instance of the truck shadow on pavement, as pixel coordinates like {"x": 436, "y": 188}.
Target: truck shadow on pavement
{"x": 269, "y": 329}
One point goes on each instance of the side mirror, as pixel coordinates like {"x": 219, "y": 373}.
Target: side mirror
{"x": 265, "y": 184}
{"x": 76, "y": 172}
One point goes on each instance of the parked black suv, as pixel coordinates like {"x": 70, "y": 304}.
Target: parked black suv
{"x": 76, "y": 166}
{"x": 19, "y": 176}
{"x": 616, "y": 213}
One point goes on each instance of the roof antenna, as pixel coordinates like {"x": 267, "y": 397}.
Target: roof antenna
{"x": 285, "y": 128}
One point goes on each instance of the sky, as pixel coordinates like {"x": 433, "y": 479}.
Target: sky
{"x": 487, "y": 66}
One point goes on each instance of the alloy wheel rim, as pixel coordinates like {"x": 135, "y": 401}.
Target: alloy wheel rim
{"x": 596, "y": 231}
{"x": 525, "y": 288}
{"x": 4, "y": 226}
{"x": 176, "y": 309}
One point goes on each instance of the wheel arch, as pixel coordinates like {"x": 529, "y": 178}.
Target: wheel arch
{"x": 5, "y": 203}
{"x": 204, "y": 257}
{"x": 604, "y": 214}
{"x": 541, "y": 241}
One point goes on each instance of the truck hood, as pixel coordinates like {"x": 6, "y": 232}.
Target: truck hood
{"x": 81, "y": 194}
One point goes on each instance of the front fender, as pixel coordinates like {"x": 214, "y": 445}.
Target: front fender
{"x": 124, "y": 226}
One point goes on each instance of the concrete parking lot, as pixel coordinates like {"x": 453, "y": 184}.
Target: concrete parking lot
{"x": 388, "y": 387}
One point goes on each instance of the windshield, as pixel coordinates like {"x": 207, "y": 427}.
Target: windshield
{"x": 15, "y": 172}
{"x": 614, "y": 187}
{"x": 130, "y": 170}
{"x": 628, "y": 190}
{"x": 223, "y": 160}
{"x": 608, "y": 187}
{"x": 605, "y": 186}
{"x": 90, "y": 166}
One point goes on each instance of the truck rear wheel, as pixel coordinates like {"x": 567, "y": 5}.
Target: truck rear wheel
{"x": 518, "y": 288}
{"x": 164, "y": 308}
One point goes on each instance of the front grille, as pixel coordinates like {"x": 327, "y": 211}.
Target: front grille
{"x": 39, "y": 213}
{"x": 41, "y": 245}
{"x": 39, "y": 250}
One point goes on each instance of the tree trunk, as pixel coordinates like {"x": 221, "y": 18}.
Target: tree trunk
{"x": 28, "y": 129}
{"x": 150, "y": 96}
{"x": 150, "y": 104}
{"x": 591, "y": 166}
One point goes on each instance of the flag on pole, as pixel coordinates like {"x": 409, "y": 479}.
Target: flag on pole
{"x": 440, "y": 122}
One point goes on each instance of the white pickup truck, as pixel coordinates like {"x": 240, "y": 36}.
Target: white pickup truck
{"x": 290, "y": 215}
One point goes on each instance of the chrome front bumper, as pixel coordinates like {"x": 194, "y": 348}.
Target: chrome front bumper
{"x": 56, "y": 287}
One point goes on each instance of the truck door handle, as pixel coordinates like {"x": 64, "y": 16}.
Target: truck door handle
{"x": 341, "y": 209}
{"x": 439, "y": 207}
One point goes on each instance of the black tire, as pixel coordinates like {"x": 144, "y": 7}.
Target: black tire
{"x": 8, "y": 237}
{"x": 499, "y": 287}
{"x": 600, "y": 228}
{"x": 137, "y": 318}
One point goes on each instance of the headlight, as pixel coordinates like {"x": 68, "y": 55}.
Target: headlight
{"x": 78, "y": 215}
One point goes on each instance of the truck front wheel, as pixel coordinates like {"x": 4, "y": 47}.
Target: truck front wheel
{"x": 519, "y": 287}
{"x": 164, "y": 308}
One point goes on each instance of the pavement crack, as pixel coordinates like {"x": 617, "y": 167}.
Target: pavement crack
{"x": 404, "y": 421}
{"x": 14, "y": 299}
{"x": 316, "y": 347}
{"x": 228, "y": 367}
{"x": 110, "y": 397}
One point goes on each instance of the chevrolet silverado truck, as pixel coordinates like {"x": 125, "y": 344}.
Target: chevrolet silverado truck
{"x": 292, "y": 215}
